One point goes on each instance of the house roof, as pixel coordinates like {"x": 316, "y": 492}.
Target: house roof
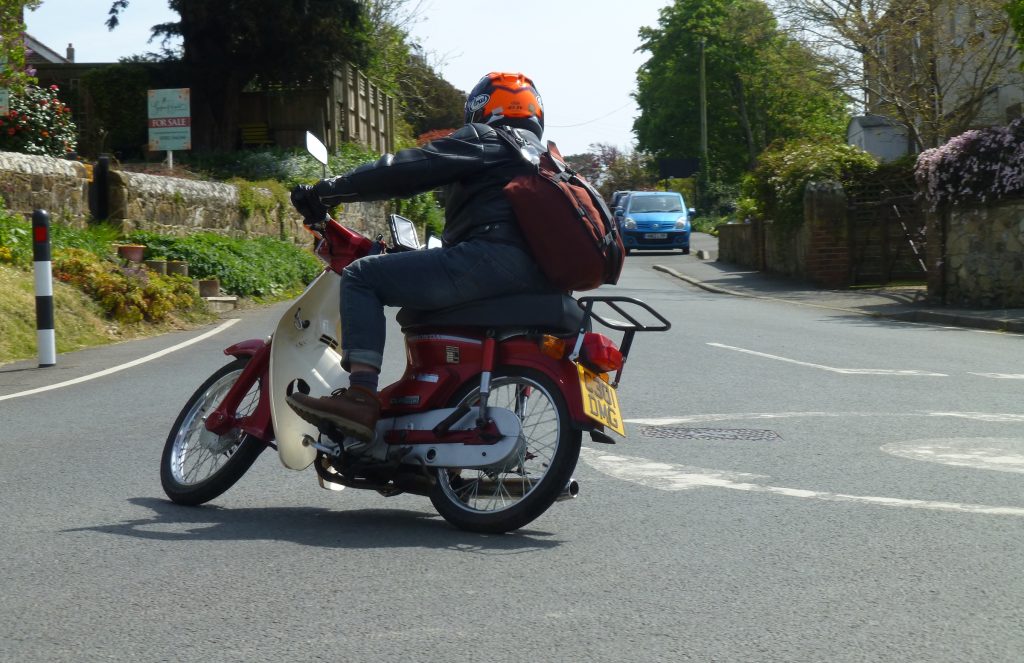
{"x": 43, "y": 52}
{"x": 871, "y": 120}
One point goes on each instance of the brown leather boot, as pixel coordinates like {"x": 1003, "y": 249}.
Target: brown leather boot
{"x": 354, "y": 410}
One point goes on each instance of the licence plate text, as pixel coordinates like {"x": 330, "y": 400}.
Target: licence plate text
{"x": 600, "y": 402}
{"x": 655, "y": 235}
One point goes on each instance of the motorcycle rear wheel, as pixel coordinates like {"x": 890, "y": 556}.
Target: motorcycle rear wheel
{"x": 197, "y": 465}
{"x": 503, "y": 499}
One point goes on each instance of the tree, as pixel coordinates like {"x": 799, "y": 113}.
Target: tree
{"x": 12, "y": 42}
{"x": 761, "y": 85}
{"x": 230, "y": 44}
{"x": 930, "y": 64}
{"x": 610, "y": 169}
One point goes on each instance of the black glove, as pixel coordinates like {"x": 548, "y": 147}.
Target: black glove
{"x": 308, "y": 204}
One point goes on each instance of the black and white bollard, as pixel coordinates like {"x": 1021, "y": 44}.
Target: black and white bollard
{"x": 44, "y": 288}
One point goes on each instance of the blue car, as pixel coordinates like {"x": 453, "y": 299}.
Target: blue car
{"x": 657, "y": 220}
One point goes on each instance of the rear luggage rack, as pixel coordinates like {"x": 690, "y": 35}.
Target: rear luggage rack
{"x": 630, "y": 326}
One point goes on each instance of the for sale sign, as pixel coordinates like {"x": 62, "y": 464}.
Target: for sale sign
{"x": 170, "y": 120}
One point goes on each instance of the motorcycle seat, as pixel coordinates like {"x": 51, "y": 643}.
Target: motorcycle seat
{"x": 552, "y": 313}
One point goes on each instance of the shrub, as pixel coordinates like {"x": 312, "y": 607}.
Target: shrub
{"x": 976, "y": 166}
{"x": 775, "y": 188}
{"x": 38, "y": 123}
{"x": 125, "y": 294}
{"x": 256, "y": 267}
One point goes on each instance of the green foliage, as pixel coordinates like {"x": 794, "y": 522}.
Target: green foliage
{"x": 422, "y": 210}
{"x": 38, "y": 123}
{"x": 12, "y": 46}
{"x": 128, "y": 295}
{"x": 263, "y": 197}
{"x": 775, "y": 189}
{"x": 1015, "y": 9}
{"x": 761, "y": 85}
{"x": 118, "y": 95}
{"x": 15, "y": 240}
{"x": 256, "y": 267}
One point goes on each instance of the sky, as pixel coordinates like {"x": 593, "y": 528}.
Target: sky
{"x": 581, "y": 56}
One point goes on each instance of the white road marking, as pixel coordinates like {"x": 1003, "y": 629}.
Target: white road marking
{"x": 832, "y": 369}
{"x": 115, "y": 369}
{"x": 665, "y": 476}
{"x": 995, "y": 417}
{"x": 1000, "y": 376}
{"x": 985, "y": 453}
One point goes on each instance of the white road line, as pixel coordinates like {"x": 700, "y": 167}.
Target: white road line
{"x": 995, "y": 417}
{"x": 997, "y": 454}
{"x": 115, "y": 369}
{"x": 844, "y": 371}
{"x": 1000, "y": 376}
{"x": 665, "y": 476}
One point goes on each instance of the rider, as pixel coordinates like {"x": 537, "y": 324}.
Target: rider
{"x": 484, "y": 254}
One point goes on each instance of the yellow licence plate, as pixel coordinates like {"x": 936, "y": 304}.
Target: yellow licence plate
{"x": 600, "y": 401}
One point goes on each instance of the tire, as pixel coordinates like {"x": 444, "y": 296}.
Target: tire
{"x": 197, "y": 466}
{"x": 504, "y": 499}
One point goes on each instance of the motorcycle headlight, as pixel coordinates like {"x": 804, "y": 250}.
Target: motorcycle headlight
{"x": 629, "y": 224}
{"x": 682, "y": 224}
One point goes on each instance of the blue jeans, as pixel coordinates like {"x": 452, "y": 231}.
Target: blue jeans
{"x": 426, "y": 280}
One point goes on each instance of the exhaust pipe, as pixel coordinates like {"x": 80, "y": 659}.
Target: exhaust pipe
{"x": 517, "y": 487}
{"x": 571, "y": 490}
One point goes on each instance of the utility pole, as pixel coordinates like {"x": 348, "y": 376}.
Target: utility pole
{"x": 704, "y": 165}
{"x": 703, "y": 107}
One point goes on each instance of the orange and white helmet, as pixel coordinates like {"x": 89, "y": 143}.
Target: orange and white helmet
{"x": 506, "y": 98}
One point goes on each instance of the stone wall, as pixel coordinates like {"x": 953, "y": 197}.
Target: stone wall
{"x": 167, "y": 205}
{"x": 61, "y": 187}
{"x": 984, "y": 255}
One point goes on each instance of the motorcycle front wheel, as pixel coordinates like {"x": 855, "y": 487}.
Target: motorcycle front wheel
{"x": 197, "y": 465}
{"x": 502, "y": 499}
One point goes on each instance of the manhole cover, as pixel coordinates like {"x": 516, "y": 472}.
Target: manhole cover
{"x": 683, "y": 433}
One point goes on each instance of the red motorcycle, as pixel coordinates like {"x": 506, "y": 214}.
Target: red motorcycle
{"x": 486, "y": 421}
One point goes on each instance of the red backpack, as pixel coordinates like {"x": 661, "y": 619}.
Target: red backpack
{"x": 571, "y": 233}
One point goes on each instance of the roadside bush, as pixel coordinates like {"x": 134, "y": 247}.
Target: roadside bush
{"x": 125, "y": 294}
{"x": 256, "y": 267}
{"x": 976, "y": 166}
{"x": 16, "y": 239}
{"x": 775, "y": 188}
{"x": 37, "y": 123}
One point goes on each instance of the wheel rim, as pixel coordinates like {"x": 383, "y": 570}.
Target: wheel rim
{"x": 198, "y": 454}
{"x": 497, "y": 489}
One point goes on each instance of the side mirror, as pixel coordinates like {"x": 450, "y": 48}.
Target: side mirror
{"x": 691, "y": 211}
{"x": 403, "y": 233}
{"x": 619, "y": 211}
{"x": 317, "y": 149}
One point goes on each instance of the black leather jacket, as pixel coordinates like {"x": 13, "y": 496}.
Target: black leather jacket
{"x": 474, "y": 164}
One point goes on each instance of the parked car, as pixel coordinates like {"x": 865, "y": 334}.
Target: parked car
{"x": 617, "y": 199}
{"x": 655, "y": 220}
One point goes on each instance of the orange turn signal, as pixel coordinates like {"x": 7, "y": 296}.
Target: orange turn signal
{"x": 553, "y": 346}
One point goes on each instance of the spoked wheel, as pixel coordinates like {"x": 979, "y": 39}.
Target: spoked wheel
{"x": 501, "y": 499}
{"x": 197, "y": 465}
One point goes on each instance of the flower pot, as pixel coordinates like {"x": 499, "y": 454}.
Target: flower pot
{"x": 131, "y": 252}
{"x": 158, "y": 266}
{"x": 208, "y": 287}
{"x": 177, "y": 267}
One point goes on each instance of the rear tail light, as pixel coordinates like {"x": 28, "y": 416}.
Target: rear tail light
{"x": 600, "y": 352}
